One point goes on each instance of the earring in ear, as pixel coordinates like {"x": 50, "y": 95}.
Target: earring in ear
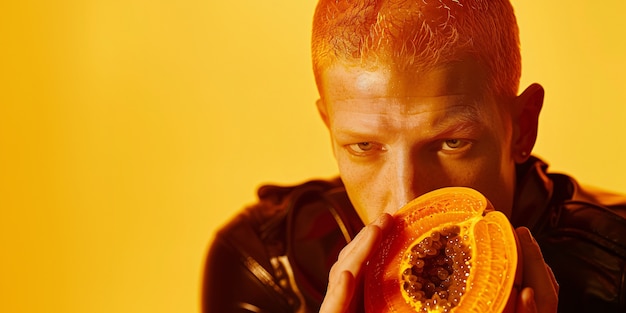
{"x": 524, "y": 154}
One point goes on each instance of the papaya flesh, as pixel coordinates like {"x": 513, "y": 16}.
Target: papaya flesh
{"x": 447, "y": 251}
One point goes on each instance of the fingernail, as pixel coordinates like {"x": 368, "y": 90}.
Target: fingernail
{"x": 523, "y": 231}
{"x": 526, "y": 234}
{"x": 531, "y": 298}
{"x": 383, "y": 220}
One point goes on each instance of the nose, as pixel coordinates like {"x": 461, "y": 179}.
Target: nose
{"x": 405, "y": 184}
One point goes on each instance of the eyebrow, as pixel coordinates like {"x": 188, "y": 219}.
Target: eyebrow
{"x": 457, "y": 118}
{"x": 355, "y": 133}
{"x": 458, "y": 115}
{"x": 465, "y": 112}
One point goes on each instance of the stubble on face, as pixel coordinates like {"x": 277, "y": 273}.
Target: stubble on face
{"x": 398, "y": 135}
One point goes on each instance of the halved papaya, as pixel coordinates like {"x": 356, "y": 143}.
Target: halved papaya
{"x": 448, "y": 251}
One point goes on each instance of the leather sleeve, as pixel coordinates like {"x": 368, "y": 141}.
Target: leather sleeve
{"x": 586, "y": 249}
{"x": 230, "y": 283}
{"x": 275, "y": 255}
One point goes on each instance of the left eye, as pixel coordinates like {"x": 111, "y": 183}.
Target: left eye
{"x": 454, "y": 144}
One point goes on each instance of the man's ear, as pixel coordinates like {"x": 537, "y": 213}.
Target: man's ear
{"x": 526, "y": 111}
{"x": 323, "y": 110}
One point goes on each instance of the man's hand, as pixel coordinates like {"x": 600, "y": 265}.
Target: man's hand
{"x": 539, "y": 290}
{"x": 345, "y": 274}
{"x": 537, "y": 294}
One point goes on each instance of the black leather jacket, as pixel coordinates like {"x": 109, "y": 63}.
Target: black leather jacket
{"x": 275, "y": 256}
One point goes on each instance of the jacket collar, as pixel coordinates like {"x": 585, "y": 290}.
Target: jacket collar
{"x": 535, "y": 193}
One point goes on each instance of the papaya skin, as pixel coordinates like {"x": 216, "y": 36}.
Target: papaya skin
{"x": 448, "y": 251}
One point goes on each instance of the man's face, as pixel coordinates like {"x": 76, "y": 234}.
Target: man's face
{"x": 399, "y": 135}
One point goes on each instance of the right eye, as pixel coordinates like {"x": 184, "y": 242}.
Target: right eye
{"x": 364, "y": 148}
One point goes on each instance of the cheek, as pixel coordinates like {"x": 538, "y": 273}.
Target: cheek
{"x": 354, "y": 177}
{"x": 362, "y": 197}
{"x": 364, "y": 190}
{"x": 494, "y": 177}
{"x": 354, "y": 171}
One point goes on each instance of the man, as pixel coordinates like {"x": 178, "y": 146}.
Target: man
{"x": 419, "y": 95}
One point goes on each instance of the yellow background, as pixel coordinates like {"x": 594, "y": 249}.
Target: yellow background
{"x": 130, "y": 130}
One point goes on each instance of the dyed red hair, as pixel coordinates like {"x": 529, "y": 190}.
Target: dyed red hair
{"x": 415, "y": 35}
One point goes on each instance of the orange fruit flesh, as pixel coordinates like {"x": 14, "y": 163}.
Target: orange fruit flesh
{"x": 449, "y": 251}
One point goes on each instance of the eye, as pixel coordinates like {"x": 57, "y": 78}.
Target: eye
{"x": 364, "y": 148}
{"x": 454, "y": 144}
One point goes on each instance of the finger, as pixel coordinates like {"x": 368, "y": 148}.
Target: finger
{"x": 339, "y": 295}
{"x": 358, "y": 251}
{"x": 537, "y": 274}
{"x": 345, "y": 272}
{"x": 526, "y": 301}
{"x": 383, "y": 221}
{"x": 553, "y": 278}
{"x": 352, "y": 257}
{"x": 535, "y": 268}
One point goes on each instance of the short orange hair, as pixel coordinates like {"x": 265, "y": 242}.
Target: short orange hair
{"x": 416, "y": 35}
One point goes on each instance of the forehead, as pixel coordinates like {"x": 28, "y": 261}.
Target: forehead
{"x": 457, "y": 91}
{"x": 344, "y": 82}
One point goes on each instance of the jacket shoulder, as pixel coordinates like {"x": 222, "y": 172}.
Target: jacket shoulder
{"x": 585, "y": 245}
{"x": 251, "y": 263}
